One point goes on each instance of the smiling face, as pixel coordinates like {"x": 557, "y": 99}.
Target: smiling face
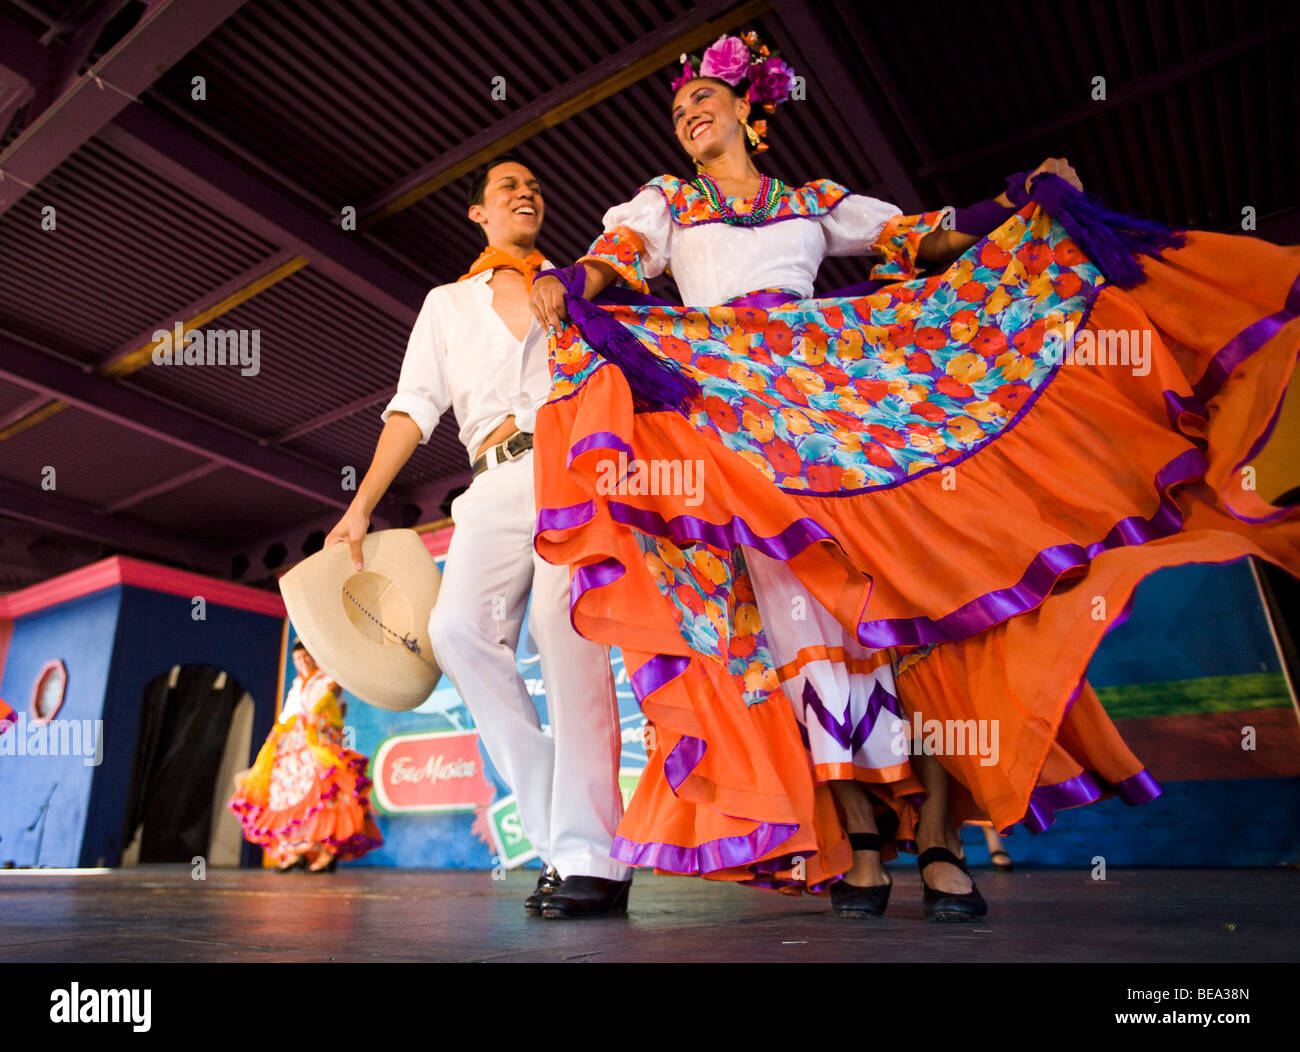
{"x": 707, "y": 118}
{"x": 512, "y": 208}
{"x": 304, "y": 663}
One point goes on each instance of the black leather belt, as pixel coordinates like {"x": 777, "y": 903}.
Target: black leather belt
{"x": 512, "y": 448}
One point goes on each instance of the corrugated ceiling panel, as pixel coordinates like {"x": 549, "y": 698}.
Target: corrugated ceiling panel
{"x": 95, "y": 461}
{"x": 320, "y": 347}
{"x": 382, "y": 88}
{"x": 228, "y": 507}
{"x": 128, "y": 251}
{"x": 351, "y": 441}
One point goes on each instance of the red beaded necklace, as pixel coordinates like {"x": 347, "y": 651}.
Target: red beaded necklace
{"x": 765, "y": 202}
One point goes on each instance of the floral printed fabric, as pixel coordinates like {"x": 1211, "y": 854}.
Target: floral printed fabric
{"x": 713, "y": 603}
{"x": 621, "y": 248}
{"x": 297, "y": 767}
{"x": 843, "y": 396}
{"x": 688, "y": 206}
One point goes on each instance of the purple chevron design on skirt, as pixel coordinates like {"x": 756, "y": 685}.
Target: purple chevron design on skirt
{"x": 849, "y": 737}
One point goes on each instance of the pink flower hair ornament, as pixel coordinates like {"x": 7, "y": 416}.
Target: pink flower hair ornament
{"x": 735, "y": 59}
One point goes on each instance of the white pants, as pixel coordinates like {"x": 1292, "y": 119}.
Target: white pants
{"x": 566, "y": 784}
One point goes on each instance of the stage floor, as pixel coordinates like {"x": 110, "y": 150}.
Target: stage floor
{"x": 160, "y": 913}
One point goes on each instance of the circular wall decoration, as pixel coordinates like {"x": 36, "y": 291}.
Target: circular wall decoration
{"x": 47, "y": 694}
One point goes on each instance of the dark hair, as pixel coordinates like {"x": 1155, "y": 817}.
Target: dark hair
{"x": 479, "y": 183}
{"x": 736, "y": 91}
{"x": 297, "y": 646}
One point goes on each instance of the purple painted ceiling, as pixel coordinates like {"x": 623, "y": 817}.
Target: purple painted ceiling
{"x": 226, "y": 208}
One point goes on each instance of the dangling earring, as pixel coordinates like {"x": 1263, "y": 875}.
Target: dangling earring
{"x": 750, "y": 134}
{"x": 699, "y": 167}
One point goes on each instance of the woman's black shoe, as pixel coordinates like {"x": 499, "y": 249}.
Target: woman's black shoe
{"x": 853, "y": 900}
{"x": 587, "y": 897}
{"x": 944, "y": 905}
{"x": 547, "y": 884}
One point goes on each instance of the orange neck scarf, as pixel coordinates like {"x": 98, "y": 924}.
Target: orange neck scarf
{"x": 492, "y": 258}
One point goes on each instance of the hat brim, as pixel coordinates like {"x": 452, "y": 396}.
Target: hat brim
{"x": 353, "y": 624}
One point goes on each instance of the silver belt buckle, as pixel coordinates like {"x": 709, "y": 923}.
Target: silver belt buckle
{"x": 505, "y": 448}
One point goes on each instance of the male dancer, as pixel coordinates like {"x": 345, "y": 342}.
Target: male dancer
{"x": 476, "y": 348}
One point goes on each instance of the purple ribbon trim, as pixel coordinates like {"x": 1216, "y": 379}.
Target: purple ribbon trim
{"x": 688, "y": 528}
{"x": 765, "y": 300}
{"x": 661, "y": 669}
{"x": 598, "y": 440}
{"x": 724, "y": 853}
{"x": 850, "y": 738}
{"x": 1176, "y": 405}
{"x": 1167, "y": 519}
{"x": 684, "y": 758}
{"x": 1244, "y": 344}
{"x": 993, "y": 607}
{"x": 1085, "y": 788}
{"x": 565, "y": 518}
{"x": 972, "y": 618}
{"x": 979, "y": 220}
{"x": 597, "y": 575}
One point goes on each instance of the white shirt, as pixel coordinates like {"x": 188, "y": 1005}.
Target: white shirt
{"x": 462, "y": 355}
{"x": 302, "y": 696}
{"x": 715, "y": 262}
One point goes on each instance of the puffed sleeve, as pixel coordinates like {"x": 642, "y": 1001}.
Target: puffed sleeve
{"x": 899, "y": 242}
{"x": 635, "y": 241}
{"x": 853, "y": 225}
{"x": 422, "y": 392}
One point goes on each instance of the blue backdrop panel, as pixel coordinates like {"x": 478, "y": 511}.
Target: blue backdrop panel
{"x": 80, "y": 633}
{"x": 1230, "y": 822}
{"x": 156, "y": 631}
{"x": 1188, "y": 622}
{"x": 113, "y": 643}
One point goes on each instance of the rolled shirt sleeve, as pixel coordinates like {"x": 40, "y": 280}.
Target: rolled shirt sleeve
{"x": 422, "y": 391}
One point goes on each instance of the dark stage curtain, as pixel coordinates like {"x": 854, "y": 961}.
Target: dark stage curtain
{"x": 178, "y": 751}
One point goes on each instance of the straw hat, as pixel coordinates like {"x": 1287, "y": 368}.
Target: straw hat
{"x": 369, "y": 631}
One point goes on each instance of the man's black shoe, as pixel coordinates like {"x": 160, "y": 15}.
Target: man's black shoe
{"x": 547, "y": 883}
{"x": 587, "y": 897}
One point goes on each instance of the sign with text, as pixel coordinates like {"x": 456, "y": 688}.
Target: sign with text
{"x": 513, "y": 847}
{"x": 430, "y": 772}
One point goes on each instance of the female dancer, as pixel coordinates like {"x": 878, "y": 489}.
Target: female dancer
{"x": 849, "y": 444}
{"x": 307, "y": 799}
{"x": 843, "y": 695}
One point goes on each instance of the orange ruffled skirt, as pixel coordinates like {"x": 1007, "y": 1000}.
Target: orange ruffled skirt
{"x": 992, "y": 571}
{"x": 307, "y": 796}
